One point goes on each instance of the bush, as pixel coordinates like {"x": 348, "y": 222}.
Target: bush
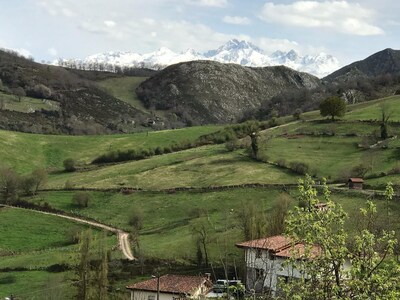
{"x": 232, "y": 145}
{"x": 359, "y": 170}
{"x": 297, "y": 114}
{"x": 299, "y": 167}
{"x": 81, "y": 199}
{"x": 72, "y": 235}
{"x": 69, "y": 165}
{"x": 68, "y": 185}
{"x": 135, "y": 218}
{"x": 281, "y": 163}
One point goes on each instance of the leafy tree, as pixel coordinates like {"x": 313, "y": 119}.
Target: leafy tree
{"x": 385, "y": 116}
{"x": 19, "y": 92}
{"x": 253, "y": 221}
{"x": 81, "y": 199}
{"x": 372, "y": 274}
{"x": 9, "y": 184}
{"x": 135, "y": 219}
{"x": 83, "y": 269}
{"x": 201, "y": 230}
{"x": 297, "y": 114}
{"x": 69, "y": 165}
{"x": 333, "y": 106}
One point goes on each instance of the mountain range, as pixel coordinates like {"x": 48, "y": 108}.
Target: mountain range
{"x": 234, "y": 51}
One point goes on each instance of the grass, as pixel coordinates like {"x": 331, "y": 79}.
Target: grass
{"x": 36, "y": 285}
{"x": 124, "y": 88}
{"x": 320, "y": 127}
{"x": 167, "y": 218}
{"x": 372, "y": 110}
{"x": 27, "y": 104}
{"x": 198, "y": 167}
{"x": 331, "y": 157}
{"x": 24, "y": 230}
{"x": 24, "y": 151}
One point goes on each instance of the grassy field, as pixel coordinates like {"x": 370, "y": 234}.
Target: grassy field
{"x": 24, "y": 151}
{"x": 124, "y": 89}
{"x": 328, "y": 156}
{"x": 198, "y": 167}
{"x": 23, "y": 230}
{"x": 373, "y": 110}
{"x": 26, "y": 104}
{"x": 169, "y": 217}
{"x": 320, "y": 127}
{"x": 36, "y": 285}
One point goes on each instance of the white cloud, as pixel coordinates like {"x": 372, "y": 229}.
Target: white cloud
{"x": 109, "y": 23}
{"x": 176, "y": 35}
{"x": 340, "y": 16}
{"x": 213, "y": 3}
{"x": 271, "y": 45}
{"x": 56, "y": 8}
{"x": 236, "y": 20}
{"x": 24, "y": 52}
{"x": 52, "y": 51}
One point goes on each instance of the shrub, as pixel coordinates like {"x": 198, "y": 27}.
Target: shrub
{"x": 297, "y": 114}
{"x": 81, "y": 199}
{"x": 299, "y": 167}
{"x": 281, "y": 163}
{"x": 135, "y": 218}
{"x": 69, "y": 165}
{"x": 232, "y": 145}
{"x": 159, "y": 150}
{"x": 68, "y": 185}
{"x": 359, "y": 170}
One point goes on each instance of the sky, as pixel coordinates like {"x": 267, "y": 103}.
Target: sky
{"x": 49, "y": 29}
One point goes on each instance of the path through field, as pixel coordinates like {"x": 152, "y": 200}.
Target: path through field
{"x": 123, "y": 237}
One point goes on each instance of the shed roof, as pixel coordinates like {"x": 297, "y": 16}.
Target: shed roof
{"x": 282, "y": 246}
{"x": 273, "y": 243}
{"x": 173, "y": 284}
{"x": 356, "y": 180}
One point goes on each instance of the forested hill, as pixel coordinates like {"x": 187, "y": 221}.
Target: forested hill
{"x": 43, "y": 98}
{"x": 212, "y": 92}
{"x": 385, "y": 62}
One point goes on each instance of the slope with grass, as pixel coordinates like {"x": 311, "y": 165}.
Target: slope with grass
{"x": 330, "y": 149}
{"x": 199, "y": 167}
{"x": 123, "y": 88}
{"x": 24, "y": 152}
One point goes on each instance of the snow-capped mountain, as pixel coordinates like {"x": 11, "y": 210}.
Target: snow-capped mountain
{"x": 234, "y": 51}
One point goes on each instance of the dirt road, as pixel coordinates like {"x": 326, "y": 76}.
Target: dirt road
{"x": 123, "y": 237}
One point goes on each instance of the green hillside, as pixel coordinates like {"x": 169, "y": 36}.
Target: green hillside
{"x": 123, "y": 88}
{"x": 25, "y": 152}
{"x": 335, "y": 150}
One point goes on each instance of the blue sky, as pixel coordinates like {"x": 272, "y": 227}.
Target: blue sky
{"x": 48, "y": 29}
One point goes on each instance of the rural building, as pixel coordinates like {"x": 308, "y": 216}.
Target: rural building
{"x": 265, "y": 261}
{"x": 321, "y": 206}
{"x": 171, "y": 287}
{"x": 356, "y": 183}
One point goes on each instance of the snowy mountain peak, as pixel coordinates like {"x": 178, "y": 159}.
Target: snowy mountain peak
{"x": 234, "y": 51}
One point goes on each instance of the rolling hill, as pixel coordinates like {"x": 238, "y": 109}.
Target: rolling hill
{"x": 210, "y": 92}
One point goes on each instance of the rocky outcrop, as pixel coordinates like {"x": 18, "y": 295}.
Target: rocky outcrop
{"x": 381, "y": 63}
{"x": 212, "y": 92}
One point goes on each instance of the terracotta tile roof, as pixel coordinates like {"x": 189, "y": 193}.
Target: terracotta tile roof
{"x": 299, "y": 250}
{"x": 356, "y": 180}
{"x": 281, "y": 246}
{"x": 173, "y": 284}
{"x": 273, "y": 243}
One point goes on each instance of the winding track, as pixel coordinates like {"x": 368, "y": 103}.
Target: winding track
{"x": 123, "y": 237}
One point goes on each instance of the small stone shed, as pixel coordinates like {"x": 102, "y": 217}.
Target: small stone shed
{"x": 356, "y": 183}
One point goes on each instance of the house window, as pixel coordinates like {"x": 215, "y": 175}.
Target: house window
{"x": 151, "y": 297}
{"x": 259, "y": 274}
{"x": 258, "y": 253}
